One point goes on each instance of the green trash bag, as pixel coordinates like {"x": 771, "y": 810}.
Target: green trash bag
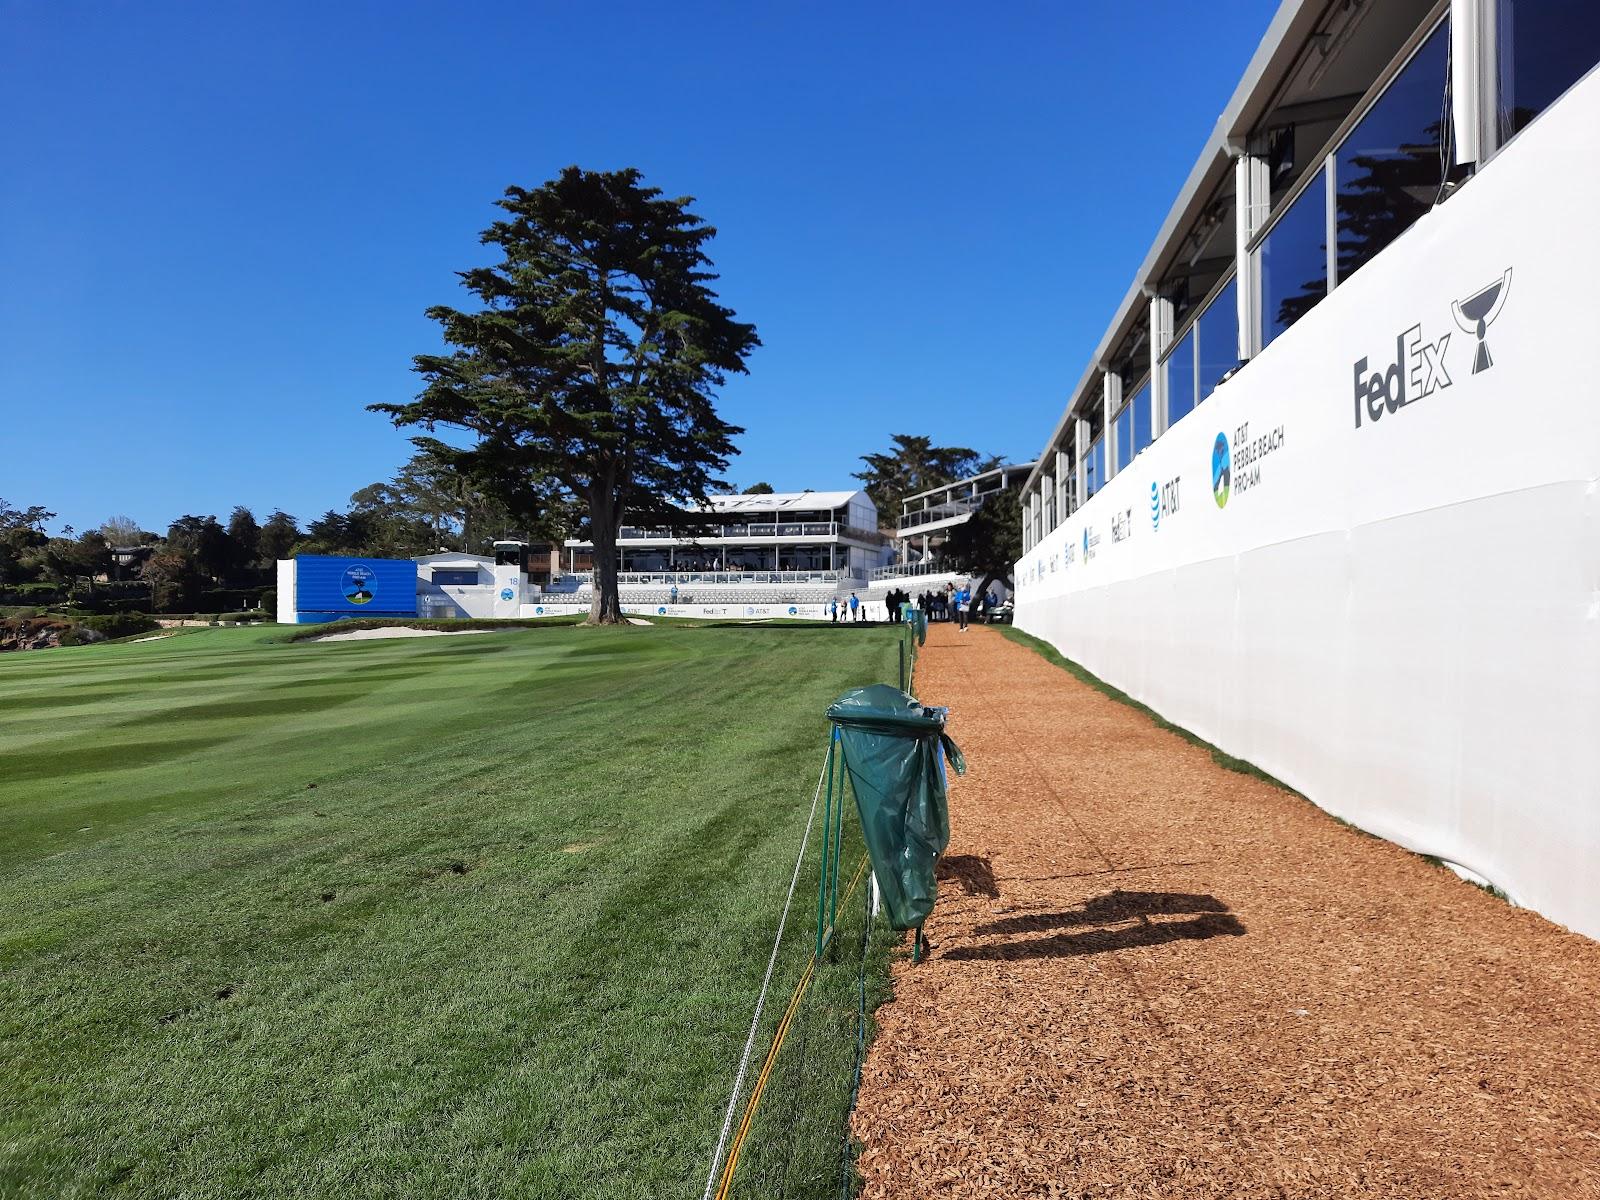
{"x": 894, "y": 749}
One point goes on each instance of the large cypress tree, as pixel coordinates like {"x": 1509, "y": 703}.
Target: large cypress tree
{"x": 588, "y": 372}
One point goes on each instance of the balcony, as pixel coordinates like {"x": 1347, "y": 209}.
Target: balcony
{"x": 748, "y": 531}
{"x": 910, "y": 570}
{"x": 735, "y": 578}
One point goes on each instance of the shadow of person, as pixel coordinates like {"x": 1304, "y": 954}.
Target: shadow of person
{"x": 1110, "y": 915}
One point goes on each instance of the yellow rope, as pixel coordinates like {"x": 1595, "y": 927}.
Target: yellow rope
{"x": 778, "y": 1036}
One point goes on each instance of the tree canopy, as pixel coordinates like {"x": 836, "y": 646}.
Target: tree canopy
{"x": 586, "y": 371}
{"x": 987, "y": 544}
{"x": 914, "y": 464}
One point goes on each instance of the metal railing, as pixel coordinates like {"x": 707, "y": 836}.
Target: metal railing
{"x": 782, "y": 529}
{"x": 769, "y": 529}
{"x": 665, "y": 578}
{"x": 941, "y": 512}
{"x": 905, "y": 570}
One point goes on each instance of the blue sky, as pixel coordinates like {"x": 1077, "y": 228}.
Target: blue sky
{"x": 220, "y": 223}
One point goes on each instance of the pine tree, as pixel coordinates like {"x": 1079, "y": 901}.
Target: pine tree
{"x": 588, "y": 370}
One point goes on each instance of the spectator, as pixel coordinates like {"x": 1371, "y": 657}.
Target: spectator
{"x": 833, "y": 609}
{"x": 963, "y": 598}
{"x": 855, "y": 607}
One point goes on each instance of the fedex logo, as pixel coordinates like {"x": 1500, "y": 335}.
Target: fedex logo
{"x": 1418, "y": 371}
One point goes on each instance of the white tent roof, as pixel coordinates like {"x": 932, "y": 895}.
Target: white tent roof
{"x": 781, "y": 501}
{"x": 446, "y": 557}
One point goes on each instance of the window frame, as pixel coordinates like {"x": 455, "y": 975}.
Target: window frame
{"x": 1191, "y": 320}
{"x": 1324, "y": 156}
{"x": 1326, "y": 167}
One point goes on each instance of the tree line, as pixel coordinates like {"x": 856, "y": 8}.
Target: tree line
{"x": 201, "y": 562}
{"x": 583, "y": 376}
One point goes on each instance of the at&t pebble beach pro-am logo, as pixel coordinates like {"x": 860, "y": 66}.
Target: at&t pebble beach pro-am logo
{"x": 1091, "y": 542}
{"x": 357, "y": 584}
{"x": 1221, "y": 470}
{"x": 507, "y": 594}
{"x": 1236, "y": 465}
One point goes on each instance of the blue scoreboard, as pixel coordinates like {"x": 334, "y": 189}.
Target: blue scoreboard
{"x": 329, "y": 586}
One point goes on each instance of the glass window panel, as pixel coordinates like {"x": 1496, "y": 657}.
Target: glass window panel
{"x": 1390, "y": 167}
{"x": 1294, "y": 261}
{"x": 1218, "y": 330}
{"x": 449, "y": 578}
{"x": 1545, "y": 47}
{"x": 1124, "y": 446}
{"x": 1180, "y": 379}
{"x": 1143, "y": 423}
{"x": 1095, "y": 465}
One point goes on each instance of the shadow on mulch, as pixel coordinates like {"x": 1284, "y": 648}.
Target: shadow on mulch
{"x": 971, "y": 872}
{"x": 1214, "y": 920}
{"x": 1110, "y": 909}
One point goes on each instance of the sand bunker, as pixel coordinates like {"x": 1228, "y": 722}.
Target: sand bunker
{"x": 396, "y": 631}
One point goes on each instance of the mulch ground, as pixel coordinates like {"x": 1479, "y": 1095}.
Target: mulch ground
{"x": 1155, "y": 977}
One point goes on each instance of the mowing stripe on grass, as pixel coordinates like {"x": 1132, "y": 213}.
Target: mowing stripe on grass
{"x": 761, "y": 999}
{"x": 778, "y": 1037}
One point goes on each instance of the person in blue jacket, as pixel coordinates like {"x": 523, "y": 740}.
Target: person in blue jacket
{"x": 855, "y": 607}
{"x": 963, "y": 600}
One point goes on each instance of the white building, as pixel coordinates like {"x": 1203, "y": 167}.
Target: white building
{"x": 925, "y": 523}
{"x": 1325, "y": 493}
{"x": 772, "y": 551}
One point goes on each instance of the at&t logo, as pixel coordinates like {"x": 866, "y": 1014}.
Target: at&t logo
{"x": 1163, "y": 500}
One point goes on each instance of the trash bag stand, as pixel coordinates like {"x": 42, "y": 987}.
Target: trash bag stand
{"x": 903, "y": 813}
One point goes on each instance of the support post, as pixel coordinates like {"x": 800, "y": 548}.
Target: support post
{"x": 1160, "y": 342}
{"x": 1252, "y": 203}
{"x": 827, "y": 814}
{"x": 838, "y": 839}
{"x": 1111, "y": 400}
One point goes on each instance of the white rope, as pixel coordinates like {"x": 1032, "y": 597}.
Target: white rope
{"x": 761, "y": 1000}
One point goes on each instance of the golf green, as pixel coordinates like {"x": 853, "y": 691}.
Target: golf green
{"x": 454, "y": 916}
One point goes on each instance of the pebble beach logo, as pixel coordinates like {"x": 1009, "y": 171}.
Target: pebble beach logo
{"x": 1236, "y": 462}
{"x": 1091, "y": 542}
{"x": 357, "y": 584}
{"x": 1221, "y": 470}
{"x": 507, "y": 594}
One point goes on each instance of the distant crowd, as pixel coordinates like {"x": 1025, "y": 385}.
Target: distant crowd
{"x": 951, "y": 603}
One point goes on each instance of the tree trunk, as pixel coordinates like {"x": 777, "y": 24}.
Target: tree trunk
{"x": 605, "y": 608}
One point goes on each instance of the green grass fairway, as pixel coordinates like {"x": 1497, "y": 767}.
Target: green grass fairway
{"x": 452, "y": 917}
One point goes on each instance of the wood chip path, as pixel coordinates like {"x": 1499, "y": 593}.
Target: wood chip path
{"x": 1154, "y": 977}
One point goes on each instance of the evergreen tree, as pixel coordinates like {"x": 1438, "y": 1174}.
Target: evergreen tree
{"x": 245, "y": 538}
{"x": 914, "y": 464}
{"x": 987, "y": 545}
{"x": 587, "y": 372}
{"x": 277, "y": 537}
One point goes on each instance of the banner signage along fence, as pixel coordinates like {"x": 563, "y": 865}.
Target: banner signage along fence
{"x": 1370, "y": 562}
{"x": 757, "y": 612}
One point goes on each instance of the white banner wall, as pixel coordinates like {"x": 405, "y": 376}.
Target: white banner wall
{"x": 1391, "y": 597}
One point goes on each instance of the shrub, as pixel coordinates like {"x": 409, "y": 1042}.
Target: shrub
{"x": 33, "y": 594}
{"x": 269, "y": 601}
{"x": 118, "y": 625}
